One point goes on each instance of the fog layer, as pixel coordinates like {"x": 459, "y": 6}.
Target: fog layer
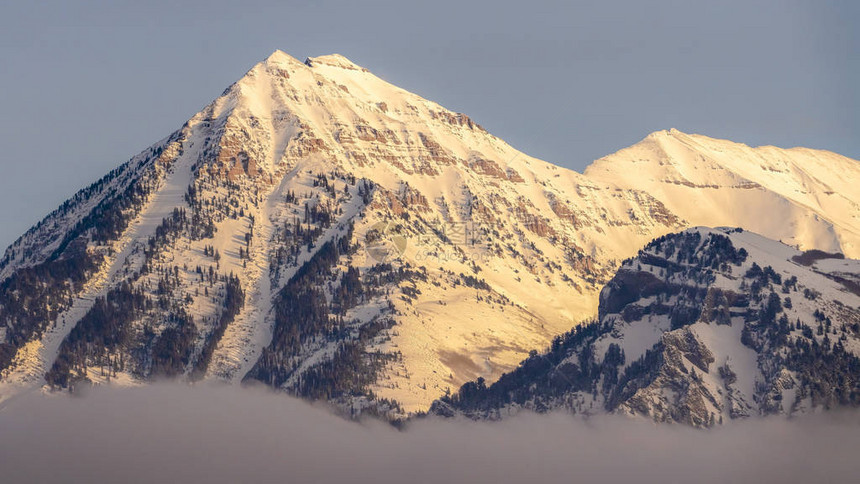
{"x": 173, "y": 433}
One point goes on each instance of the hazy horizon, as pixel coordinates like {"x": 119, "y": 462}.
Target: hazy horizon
{"x": 90, "y": 84}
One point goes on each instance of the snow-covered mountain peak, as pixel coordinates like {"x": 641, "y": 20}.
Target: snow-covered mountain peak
{"x": 424, "y": 251}
{"x": 664, "y": 133}
{"x": 768, "y": 187}
{"x": 279, "y": 57}
{"x": 334, "y": 60}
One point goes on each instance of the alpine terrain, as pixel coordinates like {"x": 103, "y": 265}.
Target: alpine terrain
{"x": 701, "y": 327}
{"x": 323, "y": 232}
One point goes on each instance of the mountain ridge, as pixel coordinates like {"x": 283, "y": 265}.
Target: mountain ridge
{"x": 297, "y": 184}
{"x": 701, "y": 327}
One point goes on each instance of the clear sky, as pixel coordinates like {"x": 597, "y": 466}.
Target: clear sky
{"x": 85, "y": 85}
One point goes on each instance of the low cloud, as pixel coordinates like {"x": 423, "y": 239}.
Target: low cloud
{"x": 174, "y": 433}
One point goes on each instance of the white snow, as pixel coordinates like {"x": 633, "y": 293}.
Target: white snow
{"x": 36, "y": 357}
{"x": 291, "y": 118}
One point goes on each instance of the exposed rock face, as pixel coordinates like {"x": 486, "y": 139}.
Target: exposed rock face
{"x": 688, "y": 400}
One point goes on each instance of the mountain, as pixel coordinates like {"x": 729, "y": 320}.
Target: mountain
{"x": 808, "y": 195}
{"x": 701, "y": 327}
{"x": 321, "y": 231}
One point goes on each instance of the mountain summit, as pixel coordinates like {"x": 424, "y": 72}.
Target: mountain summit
{"x": 326, "y": 233}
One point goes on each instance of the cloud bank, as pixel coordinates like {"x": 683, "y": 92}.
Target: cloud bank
{"x": 174, "y": 433}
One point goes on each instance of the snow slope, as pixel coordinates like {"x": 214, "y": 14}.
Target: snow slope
{"x": 498, "y": 251}
{"x": 799, "y": 196}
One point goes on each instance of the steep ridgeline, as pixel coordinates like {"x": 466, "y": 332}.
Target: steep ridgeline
{"x": 331, "y": 235}
{"x": 701, "y": 327}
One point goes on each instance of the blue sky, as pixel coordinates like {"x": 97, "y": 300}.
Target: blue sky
{"x": 86, "y": 85}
